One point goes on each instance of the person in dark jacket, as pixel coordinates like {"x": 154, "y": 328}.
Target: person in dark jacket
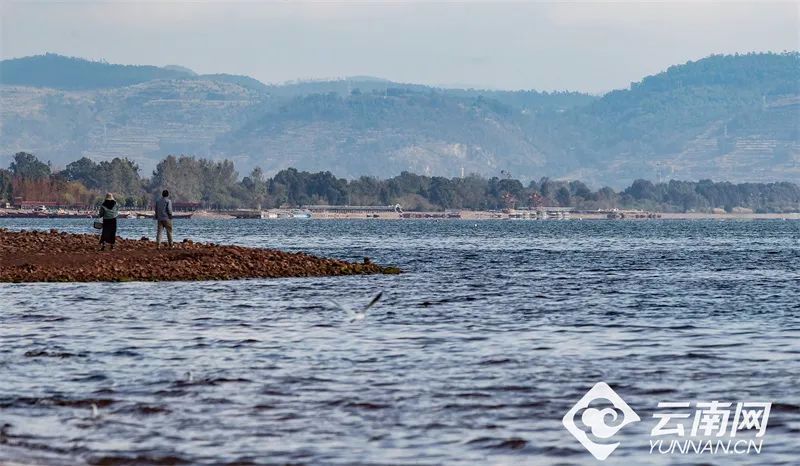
{"x": 109, "y": 210}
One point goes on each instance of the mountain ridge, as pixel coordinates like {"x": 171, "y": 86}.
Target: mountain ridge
{"x": 736, "y": 116}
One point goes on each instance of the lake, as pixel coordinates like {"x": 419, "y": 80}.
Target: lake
{"x": 473, "y": 355}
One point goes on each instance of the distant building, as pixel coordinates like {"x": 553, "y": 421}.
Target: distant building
{"x": 34, "y": 204}
{"x": 353, "y": 209}
{"x": 186, "y": 206}
{"x": 27, "y": 205}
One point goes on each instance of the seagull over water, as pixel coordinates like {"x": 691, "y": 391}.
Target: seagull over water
{"x": 358, "y": 315}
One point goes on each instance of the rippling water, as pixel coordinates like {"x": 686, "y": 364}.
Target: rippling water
{"x": 472, "y": 357}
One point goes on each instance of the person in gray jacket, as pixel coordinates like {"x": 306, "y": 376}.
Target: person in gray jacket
{"x": 164, "y": 218}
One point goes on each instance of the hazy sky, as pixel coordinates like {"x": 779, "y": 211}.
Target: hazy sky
{"x": 590, "y": 46}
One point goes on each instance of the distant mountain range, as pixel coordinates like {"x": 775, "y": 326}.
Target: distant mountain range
{"x": 723, "y": 117}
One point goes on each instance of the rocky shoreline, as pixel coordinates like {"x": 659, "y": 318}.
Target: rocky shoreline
{"x": 54, "y": 256}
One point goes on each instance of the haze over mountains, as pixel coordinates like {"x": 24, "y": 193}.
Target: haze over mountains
{"x": 731, "y": 118}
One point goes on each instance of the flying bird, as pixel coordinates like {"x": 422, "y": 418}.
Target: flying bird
{"x": 358, "y": 315}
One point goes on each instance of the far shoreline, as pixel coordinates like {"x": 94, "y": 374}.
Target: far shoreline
{"x": 484, "y": 216}
{"x": 469, "y": 215}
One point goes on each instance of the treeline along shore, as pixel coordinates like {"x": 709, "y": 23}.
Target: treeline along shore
{"x": 213, "y": 184}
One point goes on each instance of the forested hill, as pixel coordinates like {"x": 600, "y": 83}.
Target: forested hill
{"x": 67, "y": 73}
{"x": 59, "y": 72}
{"x": 722, "y": 117}
{"x": 730, "y": 117}
{"x": 522, "y": 100}
{"x": 387, "y": 132}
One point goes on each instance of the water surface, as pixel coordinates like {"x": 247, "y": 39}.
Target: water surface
{"x": 472, "y": 357}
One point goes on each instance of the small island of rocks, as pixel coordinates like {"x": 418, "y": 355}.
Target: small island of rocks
{"x": 55, "y": 256}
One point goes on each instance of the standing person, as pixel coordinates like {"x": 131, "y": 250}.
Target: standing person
{"x": 164, "y": 218}
{"x": 109, "y": 210}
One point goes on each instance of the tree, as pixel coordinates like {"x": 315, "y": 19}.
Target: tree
{"x": 27, "y": 166}
{"x": 218, "y": 179}
{"x": 119, "y": 176}
{"x": 365, "y": 191}
{"x": 579, "y": 189}
{"x": 606, "y": 198}
{"x": 442, "y": 192}
{"x": 547, "y": 187}
{"x": 535, "y": 200}
{"x": 563, "y": 197}
{"x": 641, "y": 190}
{"x": 75, "y": 193}
{"x": 182, "y": 176}
{"x": 83, "y": 170}
{"x": 6, "y": 183}
{"x": 471, "y": 192}
{"x": 255, "y": 187}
